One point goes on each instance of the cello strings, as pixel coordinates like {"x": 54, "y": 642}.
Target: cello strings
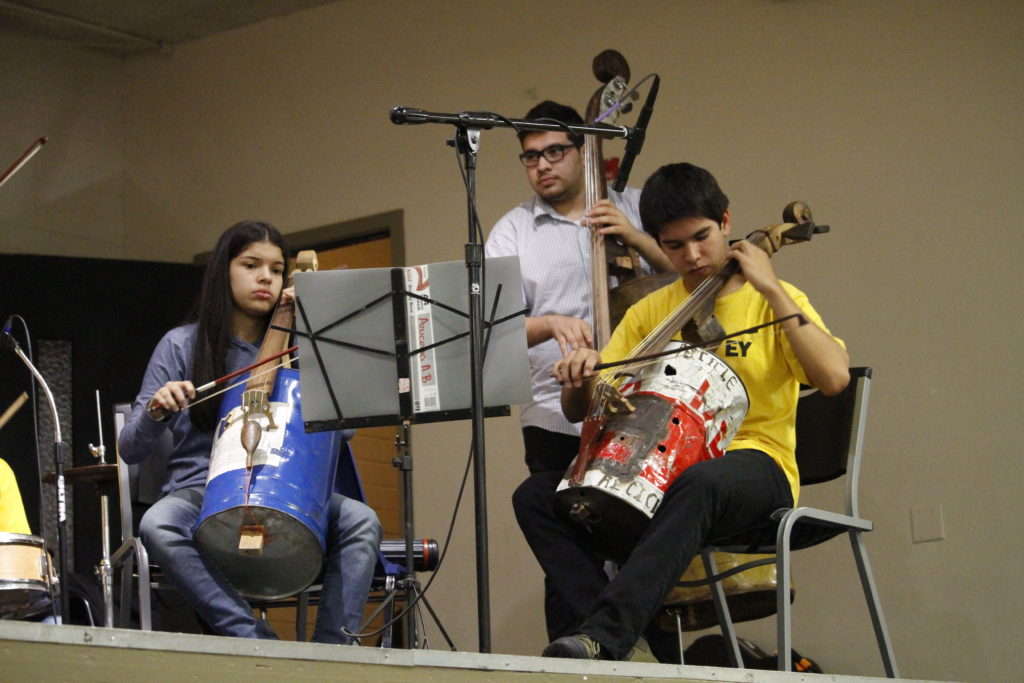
{"x": 631, "y": 367}
{"x": 673, "y": 320}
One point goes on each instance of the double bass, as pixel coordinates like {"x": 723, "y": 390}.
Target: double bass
{"x": 617, "y": 277}
{"x": 265, "y": 513}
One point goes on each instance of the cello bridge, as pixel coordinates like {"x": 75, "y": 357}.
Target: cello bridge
{"x": 256, "y": 402}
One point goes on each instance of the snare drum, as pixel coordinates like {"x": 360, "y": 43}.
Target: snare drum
{"x": 26, "y": 576}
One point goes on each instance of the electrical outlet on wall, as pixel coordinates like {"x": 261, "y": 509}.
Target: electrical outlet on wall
{"x": 926, "y": 523}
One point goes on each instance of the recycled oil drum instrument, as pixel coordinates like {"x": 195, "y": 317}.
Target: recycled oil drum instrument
{"x": 687, "y": 408}
{"x": 650, "y": 422}
{"x": 265, "y": 513}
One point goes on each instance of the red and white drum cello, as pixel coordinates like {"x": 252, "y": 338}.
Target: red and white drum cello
{"x": 651, "y": 420}
{"x": 686, "y": 408}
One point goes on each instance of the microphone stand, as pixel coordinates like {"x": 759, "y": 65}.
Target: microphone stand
{"x": 467, "y": 142}
{"x": 59, "y": 449}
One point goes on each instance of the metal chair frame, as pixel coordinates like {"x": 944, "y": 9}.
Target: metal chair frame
{"x": 803, "y": 527}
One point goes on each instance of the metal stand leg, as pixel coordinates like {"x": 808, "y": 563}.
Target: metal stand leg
{"x": 103, "y": 571}
{"x": 403, "y": 461}
{"x": 732, "y": 647}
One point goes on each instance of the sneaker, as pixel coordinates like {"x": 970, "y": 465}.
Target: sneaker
{"x": 578, "y": 646}
{"x": 641, "y": 652}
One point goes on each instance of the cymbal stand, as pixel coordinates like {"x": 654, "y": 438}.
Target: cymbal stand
{"x": 103, "y": 571}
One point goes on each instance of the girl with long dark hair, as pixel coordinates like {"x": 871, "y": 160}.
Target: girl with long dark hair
{"x": 241, "y": 286}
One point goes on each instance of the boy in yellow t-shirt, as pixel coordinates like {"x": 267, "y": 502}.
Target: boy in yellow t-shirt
{"x": 683, "y": 207}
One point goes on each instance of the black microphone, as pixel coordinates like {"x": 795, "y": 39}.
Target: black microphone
{"x": 406, "y": 115}
{"x": 636, "y": 142}
{"x": 6, "y": 340}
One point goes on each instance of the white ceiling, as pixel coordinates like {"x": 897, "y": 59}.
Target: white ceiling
{"x": 127, "y": 27}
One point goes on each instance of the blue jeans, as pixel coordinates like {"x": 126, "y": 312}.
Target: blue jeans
{"x": 712, "y": 500}
{"x": 353, "y": 540}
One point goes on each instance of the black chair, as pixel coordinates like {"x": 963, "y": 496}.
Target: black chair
{"x": 139, "y": 486}
{"x": 830, "y": 434}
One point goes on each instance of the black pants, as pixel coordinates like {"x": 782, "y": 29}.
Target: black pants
{"x": 548, "y": 456}
{"x": 715, "y": 499}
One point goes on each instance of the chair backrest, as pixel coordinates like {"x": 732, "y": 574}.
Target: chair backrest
{"x": 830, "y": 434}
{"x": 139, "y": 484}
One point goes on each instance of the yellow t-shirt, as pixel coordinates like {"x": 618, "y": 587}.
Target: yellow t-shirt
{"x": 763, "y": 359}
{"x": 12, "y": 512}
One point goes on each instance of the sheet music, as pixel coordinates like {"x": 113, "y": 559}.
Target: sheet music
{"x": 420, "y": 323}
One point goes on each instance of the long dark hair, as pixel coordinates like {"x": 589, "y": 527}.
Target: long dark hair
{"x": 214, "y": 309}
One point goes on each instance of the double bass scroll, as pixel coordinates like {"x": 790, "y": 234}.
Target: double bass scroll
{"x": 609, "y": 257}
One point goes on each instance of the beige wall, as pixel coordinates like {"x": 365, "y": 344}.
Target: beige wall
{"x": 898, "y": 122}
{"x": 68, "y": 200}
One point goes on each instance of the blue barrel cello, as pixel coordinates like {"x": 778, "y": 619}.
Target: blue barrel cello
{"x": 268, "y": 491}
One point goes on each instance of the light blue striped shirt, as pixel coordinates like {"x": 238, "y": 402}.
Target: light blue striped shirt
{"x": 554, "y": 260}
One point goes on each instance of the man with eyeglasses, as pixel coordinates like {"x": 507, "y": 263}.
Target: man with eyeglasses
{"x": 551, "y": 236}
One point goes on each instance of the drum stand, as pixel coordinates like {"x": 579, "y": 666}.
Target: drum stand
{"x": 102, "y": 476}
{"x": 103, "y": 571}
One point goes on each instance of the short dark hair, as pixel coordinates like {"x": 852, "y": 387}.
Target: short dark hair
{"x": 549, "y": 109}
{"x": 677, "y": 191}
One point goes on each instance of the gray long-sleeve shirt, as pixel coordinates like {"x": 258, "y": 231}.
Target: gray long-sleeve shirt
{"x": 189, "y": 459}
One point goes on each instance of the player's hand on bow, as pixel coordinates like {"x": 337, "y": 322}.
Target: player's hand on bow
{"x": 576, "y": 368}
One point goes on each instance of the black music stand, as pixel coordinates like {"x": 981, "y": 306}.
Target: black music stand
{"x": 391, "y": 346}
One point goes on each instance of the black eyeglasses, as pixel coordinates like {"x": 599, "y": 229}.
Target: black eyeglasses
{"x": 552, "y": 153}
